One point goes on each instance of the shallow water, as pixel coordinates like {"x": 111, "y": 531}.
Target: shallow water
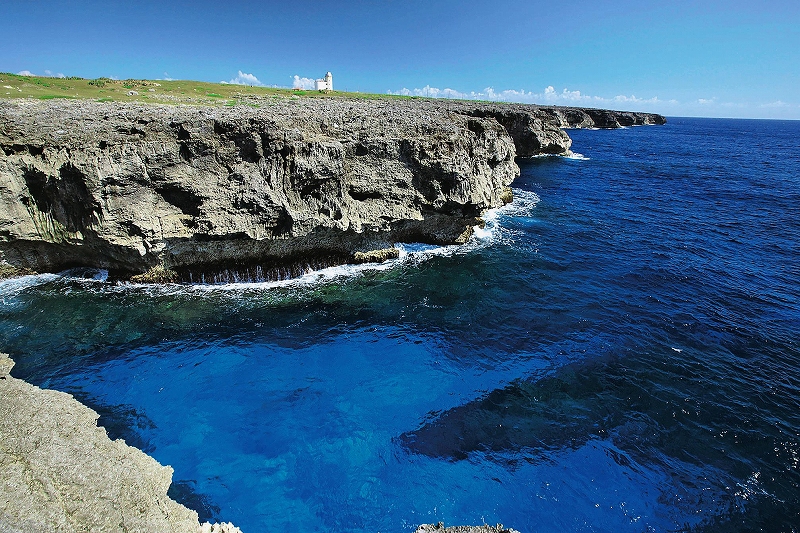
{"x": 617, "y": 352}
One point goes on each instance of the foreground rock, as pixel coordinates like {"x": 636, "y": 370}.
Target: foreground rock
{"x": 241, "y": 192}
{"x": 59, "y": 472}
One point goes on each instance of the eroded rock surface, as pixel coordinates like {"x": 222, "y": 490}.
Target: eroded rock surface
{"x": 309, "y": 182}
{"x": 59, "y": 472}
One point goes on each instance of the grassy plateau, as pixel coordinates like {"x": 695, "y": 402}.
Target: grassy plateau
{"x": 155, "y": 91}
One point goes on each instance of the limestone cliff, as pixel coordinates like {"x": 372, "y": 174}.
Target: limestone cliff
{"x": 298, "y": 182}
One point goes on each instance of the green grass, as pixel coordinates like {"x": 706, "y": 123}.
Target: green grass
{"x": 170, "y": 92}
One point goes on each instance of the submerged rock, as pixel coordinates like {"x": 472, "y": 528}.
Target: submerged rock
{"x": 60, "y": 472}
{"x": 376, "y": 256}
{"x": 157, "y": 274}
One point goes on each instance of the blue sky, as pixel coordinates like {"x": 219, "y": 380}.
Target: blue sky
{"x": 727, "y": 59}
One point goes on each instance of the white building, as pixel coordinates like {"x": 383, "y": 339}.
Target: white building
{"x": 325, "y": 84}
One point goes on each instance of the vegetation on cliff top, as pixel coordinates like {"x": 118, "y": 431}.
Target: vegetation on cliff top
{"x": 157, "y": 91}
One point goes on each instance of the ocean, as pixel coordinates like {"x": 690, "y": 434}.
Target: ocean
{"x": 616, "y": 351}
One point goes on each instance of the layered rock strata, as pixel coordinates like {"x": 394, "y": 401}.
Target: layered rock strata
{"x": 59, "y": 472}
{"x": 271, "y": 188}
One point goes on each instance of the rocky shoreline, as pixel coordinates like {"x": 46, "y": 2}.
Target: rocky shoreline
{"x": 246, "y": 192}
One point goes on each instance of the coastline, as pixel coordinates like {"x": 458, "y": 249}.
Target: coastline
{"x": 262, "y": 192}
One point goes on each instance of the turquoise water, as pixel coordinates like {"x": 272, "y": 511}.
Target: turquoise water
{"x": 618, "y": 351}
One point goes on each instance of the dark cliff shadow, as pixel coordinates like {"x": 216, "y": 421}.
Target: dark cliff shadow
{"x": 120, "y": 421}
{"x": 625, "y": 400}
{"x": 563, "y": 410}
{"x": 663, "y": 412}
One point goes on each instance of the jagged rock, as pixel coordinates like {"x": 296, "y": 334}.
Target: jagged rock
{"x": 59, "y": 472}
{"x": 439, "y": 528}
{"x": 534, "y": 132}
{"x": 223, "y": 527}
{"x": 226, "y": 190}
{"x": 157, "y": 274}
{"x": 9, "y": 271}
{"x": 376, "y": 256}
{"x": 507, "y": 196}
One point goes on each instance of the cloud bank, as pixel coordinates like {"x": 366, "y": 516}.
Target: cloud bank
{"x": 47, "y": 74}
{"x": 547, "y": 96}
{"x": 697, "y": 107}
{"x": 244, "y": 79}
{"x": 302, "y": 83}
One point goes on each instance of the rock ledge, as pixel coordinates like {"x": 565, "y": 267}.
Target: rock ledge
{"x": 59, "y": 471}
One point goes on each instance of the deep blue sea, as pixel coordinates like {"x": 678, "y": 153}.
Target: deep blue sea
{"x": 618, "y": 351}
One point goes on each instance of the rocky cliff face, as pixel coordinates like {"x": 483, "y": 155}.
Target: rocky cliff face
{"x": 303, "y": 182}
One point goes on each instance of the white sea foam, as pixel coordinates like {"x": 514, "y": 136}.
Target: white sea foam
{"x": 522, "y": 206}
{"x": 568, "y": 155}
{"x": 576, "y": 156}
{"x": 310, "y": 278}
{"x": 410, "y": 254}
{"x": 13, "y": 286}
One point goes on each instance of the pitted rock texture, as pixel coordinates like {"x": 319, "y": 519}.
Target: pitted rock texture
{"x": 59, "y": 472}
{"x": 208, "y": 190}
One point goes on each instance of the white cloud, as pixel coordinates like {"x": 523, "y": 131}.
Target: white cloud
{"x": 25, "y": 73}
{"x": 302, "y": 83}
{"x": 166, "y": 77}
{"x": 244, "y": 79}
{"x": 49, "y": 74}
{"x": 434, "y": 92}
{"x": 707, "y": 101}
{"x": 549, "y": 95}
{"x": 776, "y": 104}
